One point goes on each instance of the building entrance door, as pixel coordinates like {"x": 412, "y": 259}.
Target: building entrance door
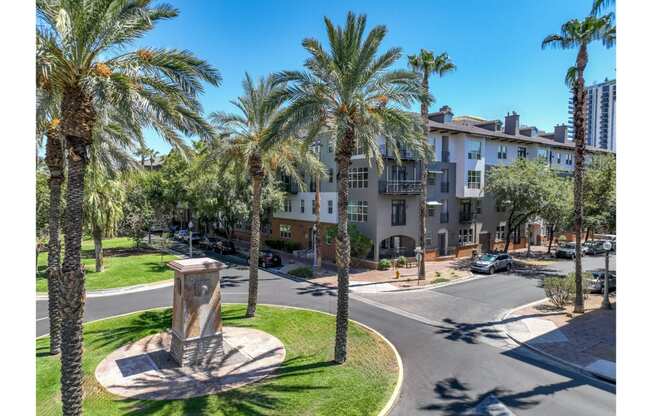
{"x": 442, "y": 245}
{"x": 484, "y": 241}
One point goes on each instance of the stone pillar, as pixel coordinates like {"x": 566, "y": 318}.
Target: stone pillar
{"x": 196, "y": 320}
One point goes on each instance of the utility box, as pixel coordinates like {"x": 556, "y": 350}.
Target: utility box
{"x": 196, "y": 320}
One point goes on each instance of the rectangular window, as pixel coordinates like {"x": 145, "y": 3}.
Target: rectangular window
{"x": 444, "y": 181}
{"x": 473, "y": 179}
{"x": 285, "y": 231}
{"x": 358, "y": 178}
{"x": 431, "y": 178}
{"x": 465, "y": 236}
{"x": 502, "y": 151}
{"x": 330, "y": 206}
{"x": 431, "y": 211}
{"x": 500, "y": 232}
{"x": 398, "y": 212}
{"x": 558, "y": 158}
{"x": 313, "y": 185}
{"x": 475, "y": 150}
{"x": 542, "y": 154}
{"x": 358, "y": 211}
{"x": 287, "y": 205}
{"x": 303, "y": 206}
{"x": 522, "y": 152}
{"x": 313, "y": 207}
{"x": 330, "y": 175}
{"x": 478, "y": 207}
{"x": 569, "y": 159}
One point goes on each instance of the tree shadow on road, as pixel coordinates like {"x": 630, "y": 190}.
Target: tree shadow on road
{"x": 316, "y": 290}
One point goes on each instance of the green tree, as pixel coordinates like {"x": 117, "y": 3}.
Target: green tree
{"x": 81, "y": 57}
{"x": 579, "y": 34}
{"x": 103, "y": 208}
{"x": 350, "y": 93}
{"x": 523, "y": 188}
{"x": 600, "y": 193}
{"x": 557, "y": 212}
{"x": 425, "y": 64}
{"x": 243, "y": 144}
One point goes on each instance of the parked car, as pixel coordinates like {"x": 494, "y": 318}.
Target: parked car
{"x": 596, "y": 282}
{"x": 181, "y": 235}
{"x": 567, "y": 250}
{"x": 196, "y": 238}
{"x": 269, "y": 259}
{"x": 595, "y": 247}
{"x": 492, "y": 262}
{"x": 224, "y": 247}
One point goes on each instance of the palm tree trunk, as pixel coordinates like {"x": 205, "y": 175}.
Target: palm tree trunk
{"x": 317, "y": 248}
{"x": 579, "y": 102}
{"x": 550, "y": 238}
{"x": 99, "y": 255}
{"x": 54, "y": 159}
{"x": 254, "y": 240}
{"x": 424, "y": 183}
{"x": 343, "y": 246}
{"x": 78, "y": 118}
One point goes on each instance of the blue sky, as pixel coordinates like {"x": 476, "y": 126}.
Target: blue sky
{"x": 495, "y": 45}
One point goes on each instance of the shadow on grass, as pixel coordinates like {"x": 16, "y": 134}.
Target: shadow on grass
{"x": 144, "y": 324}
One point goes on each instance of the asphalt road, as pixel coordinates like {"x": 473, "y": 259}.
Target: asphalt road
{"x": 453, "y": 355}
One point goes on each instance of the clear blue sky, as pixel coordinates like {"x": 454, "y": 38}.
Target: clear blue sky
{"x": 495, "y": 45}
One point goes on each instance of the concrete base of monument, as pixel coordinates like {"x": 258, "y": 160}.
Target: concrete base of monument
{"x": 146, "y": 370}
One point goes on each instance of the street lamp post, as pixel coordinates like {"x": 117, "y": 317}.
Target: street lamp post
{"x": 190, "y": 237}
{"x": 605, "y": 299}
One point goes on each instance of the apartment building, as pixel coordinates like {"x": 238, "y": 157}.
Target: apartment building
{"x": 600, "y": 115}
{"x": 384, "y": 204}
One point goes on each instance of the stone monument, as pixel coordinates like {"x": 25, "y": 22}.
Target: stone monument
{"x": 196, "y": 322}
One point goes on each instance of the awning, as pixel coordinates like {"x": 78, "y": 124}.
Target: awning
{"x": 433, "y": 203}
{"x": 434, "y": 172}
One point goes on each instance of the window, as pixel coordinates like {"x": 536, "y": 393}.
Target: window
{"x": 358, "y": 178}
{"x": 358, "y": 211}
{"x": 431, "y": 211}
{"x": 330, "y": 148}
{"x": 522, "y": 152}
{"x": 502, "y": 151}
{"x": 558, "y": 158}
{"x": 358, "y": 150}
{"x": 500, "y": 232}
{"x": 398, "y": 212}
{"x": 330, "y": 206}
{"x": 465, "y": 236}
{"x": 473, "y": 179}
{"x": 313, "y": 185}
{"x": 569, "y": 159}
{"x": 313, "y": 207}
{"x": 330, "y": 175}
{"x": 475, "y": 150}
{"x": 398, "y": 173}
{"x": 444, "y": 181}
{"x": 287, "y": 205}
{"x": 478, "y": 207}
{"x": 285, "y": 231}
{"x": 328, "y": 238}
{"x": 303, "y": 206}
{"x": 542, "y": 154}
{"x": 431, "y": 178}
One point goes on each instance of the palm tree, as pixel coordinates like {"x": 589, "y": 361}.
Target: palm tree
{"x": 579, "y": 34}
{"x": 425, "y": 64}
{"x": 350, "y": 93}
{"x": 81, "y": 56}
{"x": 243, "y": 135}
{"x": 104, "y": 198}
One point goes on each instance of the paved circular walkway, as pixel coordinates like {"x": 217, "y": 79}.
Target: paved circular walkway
{"x": 145, "y": 369}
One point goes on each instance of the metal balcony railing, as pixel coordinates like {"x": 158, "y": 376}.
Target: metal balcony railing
{"x": 399, "y": 187}
{"x": 404, "y": 154}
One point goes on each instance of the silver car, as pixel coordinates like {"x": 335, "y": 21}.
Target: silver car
{"x": 492, "y": 262}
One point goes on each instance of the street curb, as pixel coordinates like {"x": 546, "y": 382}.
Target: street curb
{"x": 119, "y": 291}
{"x": 399, "y": 360}
{"x": 575, "y": 367}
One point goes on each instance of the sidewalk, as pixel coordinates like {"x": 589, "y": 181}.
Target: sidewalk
{"x": 586, "y": 341}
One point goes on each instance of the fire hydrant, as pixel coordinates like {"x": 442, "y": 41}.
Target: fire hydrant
{"x": 398, "y": 274}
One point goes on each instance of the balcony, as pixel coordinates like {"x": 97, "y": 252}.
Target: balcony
{"x": 291, "y": 188}
{"x": 443, "y": 217}
{"x": 404, "y": 154}
{"x": 399, "y": 187}
{"x": 445, "y": 187}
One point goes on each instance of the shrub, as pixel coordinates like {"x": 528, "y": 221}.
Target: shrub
{"x": 275, "y": 244}
{"x": 384, "y": 264}
{"x": 290, "y": 246}
{"x": 401, "y": 261}
{"x": 305, "y": 272}
{"x": 559, "y": 289}
{"x": 360, "y": 244}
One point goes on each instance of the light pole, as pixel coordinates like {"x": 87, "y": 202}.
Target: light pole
{"x": 605, "y": 300}
{"x": 190, "y": 237}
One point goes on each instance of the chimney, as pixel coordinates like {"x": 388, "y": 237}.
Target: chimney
{"x": 561, "y": 133}
{"x": 512, "y": 123}
{"x": 444, "y": 115}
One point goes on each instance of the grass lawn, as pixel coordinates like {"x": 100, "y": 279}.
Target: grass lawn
{"x": 119, "y": 271}
{"x": 308, "y": 383}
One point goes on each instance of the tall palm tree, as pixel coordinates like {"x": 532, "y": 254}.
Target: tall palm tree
{"x": 579, "y": 34}
{"x": 425, "y": 64}
{"x": 104, "y": 198}
{"x": 350, "y": 92}
{"x": 81, "y": 56}
{"x": 244, "y": 133}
